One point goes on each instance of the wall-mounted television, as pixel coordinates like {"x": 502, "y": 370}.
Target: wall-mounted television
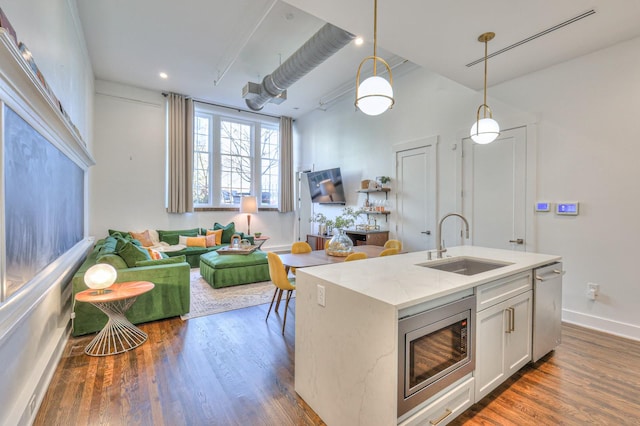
{"x": 325, "y": 186}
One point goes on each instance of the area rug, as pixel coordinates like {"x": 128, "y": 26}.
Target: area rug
{"x": 206, "y": 300}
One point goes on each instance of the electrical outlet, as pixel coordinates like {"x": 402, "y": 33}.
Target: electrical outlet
{"x": 321, "y": 294}
{"x": 592, "y": 290}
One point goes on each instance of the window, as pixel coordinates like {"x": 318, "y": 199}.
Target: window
{"x": 235, "y": 155}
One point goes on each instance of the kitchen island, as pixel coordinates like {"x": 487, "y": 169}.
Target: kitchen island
{"x": 347, "y": 326}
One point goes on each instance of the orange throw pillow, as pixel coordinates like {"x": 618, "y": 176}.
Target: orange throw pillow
{"x": 218, "y": 235}
{"x": 197, "y": 242}
{"x": 143, "y": 237}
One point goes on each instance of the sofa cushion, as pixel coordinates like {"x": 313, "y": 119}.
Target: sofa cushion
{"x": 114, "y": 233}
{"x": 143, "y": 237}
{"x": 217, "y": 234}
{"x": 108, "y": 246}
{"x": 131, "y": 253}
{"x": 227, "y": 231}
{"x": 166, "y": 261}
{"x": 113, "y": 260}
{"x": 172, "y": 237}
{"x": 199, "y": 241}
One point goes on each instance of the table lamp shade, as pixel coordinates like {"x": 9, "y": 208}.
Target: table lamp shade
{"x": 248, "y": 205}
{"x": 100, "y": 276}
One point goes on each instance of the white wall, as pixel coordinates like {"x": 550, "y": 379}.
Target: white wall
{"x": 587, "y": 152}
{"x": 34, "y": 323}
{"x": 128, "y": 179}
{"x": 427, "y": 104}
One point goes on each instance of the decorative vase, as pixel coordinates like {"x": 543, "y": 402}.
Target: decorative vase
{"x": 340, "y": 244}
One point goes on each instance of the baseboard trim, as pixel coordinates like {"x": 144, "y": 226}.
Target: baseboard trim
{"x": 605, "y": 325}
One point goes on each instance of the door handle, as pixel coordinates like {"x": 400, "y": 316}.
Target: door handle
{"x": 517, "y": 241}
{"x": 426, "y": 232}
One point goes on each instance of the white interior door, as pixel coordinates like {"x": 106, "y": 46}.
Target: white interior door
{"x": 416, "y": 194}
{"x": 494, "y": 195}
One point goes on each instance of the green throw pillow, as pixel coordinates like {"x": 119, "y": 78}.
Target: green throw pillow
{"x": 166, "y": 261}
{"x": 114, "y": 233}
{"x": 227, "y": 231}
{"x": 172, "y": 237}
{"x": 131, "y": 253}
{"x": 113, "y": 260}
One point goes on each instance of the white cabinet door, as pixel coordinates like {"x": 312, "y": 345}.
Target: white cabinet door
{"x": 490, "y": 330}
{"x": 518, "y": 341}
{"x": 503, "y": 342}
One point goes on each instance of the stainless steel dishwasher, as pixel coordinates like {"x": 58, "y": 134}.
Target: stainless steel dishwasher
{"x": 547, "y": 309}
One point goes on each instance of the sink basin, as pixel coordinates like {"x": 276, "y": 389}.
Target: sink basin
{"x": 465, "y": 265}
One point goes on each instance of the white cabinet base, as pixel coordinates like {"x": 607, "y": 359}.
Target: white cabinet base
{"x": 446, "y": 407}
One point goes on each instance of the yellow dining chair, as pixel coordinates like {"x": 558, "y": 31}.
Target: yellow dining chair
{"x": 393, "y": 244}
{"x": 297, "y": 248}
{"x": 389, "y": 252}
{"x": 278, "y": 276}
{"x": 356, "y": 256}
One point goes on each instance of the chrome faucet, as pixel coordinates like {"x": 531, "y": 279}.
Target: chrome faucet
{"x": 439, "y": 245}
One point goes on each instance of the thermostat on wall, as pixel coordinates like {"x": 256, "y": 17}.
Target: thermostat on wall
{"x": 570, "y": 209}
{"x": 543, "y": 206}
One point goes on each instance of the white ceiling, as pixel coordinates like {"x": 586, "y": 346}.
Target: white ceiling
{"x": 211, "y": 48}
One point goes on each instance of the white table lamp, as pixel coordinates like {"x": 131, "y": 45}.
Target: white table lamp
{"x": 99, "y": 277}
{"x": 249, "y": 205}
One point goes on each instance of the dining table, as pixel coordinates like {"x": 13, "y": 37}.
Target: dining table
{"x": 320, "y": 257}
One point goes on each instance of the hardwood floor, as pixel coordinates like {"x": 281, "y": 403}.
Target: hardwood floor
{"x": 236, "y": 369}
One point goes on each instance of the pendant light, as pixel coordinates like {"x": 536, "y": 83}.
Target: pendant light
{"x": 374, "y": 95}
{"x": 485, "y": 130}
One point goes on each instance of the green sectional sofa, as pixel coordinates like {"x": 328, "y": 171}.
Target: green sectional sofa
{"x": 170, "y": 274}
{"x": 192, "y": 254}
{"x": 170, "y": 296}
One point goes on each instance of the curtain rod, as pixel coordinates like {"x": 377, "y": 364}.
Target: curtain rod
{"x": 230, "y": 107}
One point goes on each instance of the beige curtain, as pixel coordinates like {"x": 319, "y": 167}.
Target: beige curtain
{"x": 180, "y": 128}
{"x": 286, "y": 165}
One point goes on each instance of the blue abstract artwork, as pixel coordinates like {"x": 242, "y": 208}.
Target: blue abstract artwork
{"x": 43, "y": 199}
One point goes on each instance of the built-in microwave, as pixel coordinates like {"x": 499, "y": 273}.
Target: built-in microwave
{"x": 436, "y": 348}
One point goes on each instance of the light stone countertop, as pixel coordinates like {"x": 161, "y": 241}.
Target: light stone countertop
{"x": 398, "y": 281}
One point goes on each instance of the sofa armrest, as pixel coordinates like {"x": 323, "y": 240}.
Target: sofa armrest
{"x": 170, "y": 297}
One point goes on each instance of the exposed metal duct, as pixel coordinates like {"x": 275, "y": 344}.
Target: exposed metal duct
{"x": 322, "y": 45}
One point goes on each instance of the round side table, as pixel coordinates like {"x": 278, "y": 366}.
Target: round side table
{"x": 118, "y": 335}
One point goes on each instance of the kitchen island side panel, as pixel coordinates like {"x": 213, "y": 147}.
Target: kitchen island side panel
{"x": 354, "y": 335}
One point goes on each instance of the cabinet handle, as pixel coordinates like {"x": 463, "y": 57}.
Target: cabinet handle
{"x": 426, "y": 232}
{"x": 517, "y": 241}
{"x": 513, "y": 319}
{"x": 510, "y": 320}
{"x": 446, "y": 414}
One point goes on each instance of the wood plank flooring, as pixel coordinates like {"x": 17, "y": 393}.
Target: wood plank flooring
{"x": 236, "y": 369}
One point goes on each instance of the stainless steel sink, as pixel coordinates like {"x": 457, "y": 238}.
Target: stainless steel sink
{"x": 464, "y": 265}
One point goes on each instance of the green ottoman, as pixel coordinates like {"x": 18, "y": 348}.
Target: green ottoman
{"x": 234, "y": 269}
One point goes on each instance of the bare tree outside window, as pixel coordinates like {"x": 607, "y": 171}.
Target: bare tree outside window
{"x": 234, "y": 158}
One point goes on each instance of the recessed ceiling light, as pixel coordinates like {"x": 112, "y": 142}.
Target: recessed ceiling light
{"x": 163, "y": 75}
{"x": 359, "y": 41}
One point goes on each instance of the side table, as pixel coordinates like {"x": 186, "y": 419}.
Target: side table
{"x": 118, "y": 335}
{"x": 259, "y": 241}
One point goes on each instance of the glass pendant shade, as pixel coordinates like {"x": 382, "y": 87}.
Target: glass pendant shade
{"x": 375, "y": 96}
{"x": 485, "y": 131}
{"x": 100, "y": 276}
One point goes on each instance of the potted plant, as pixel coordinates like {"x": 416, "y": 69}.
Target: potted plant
{"x": 384, "y": 181}
{"x": 321, "y": 220}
